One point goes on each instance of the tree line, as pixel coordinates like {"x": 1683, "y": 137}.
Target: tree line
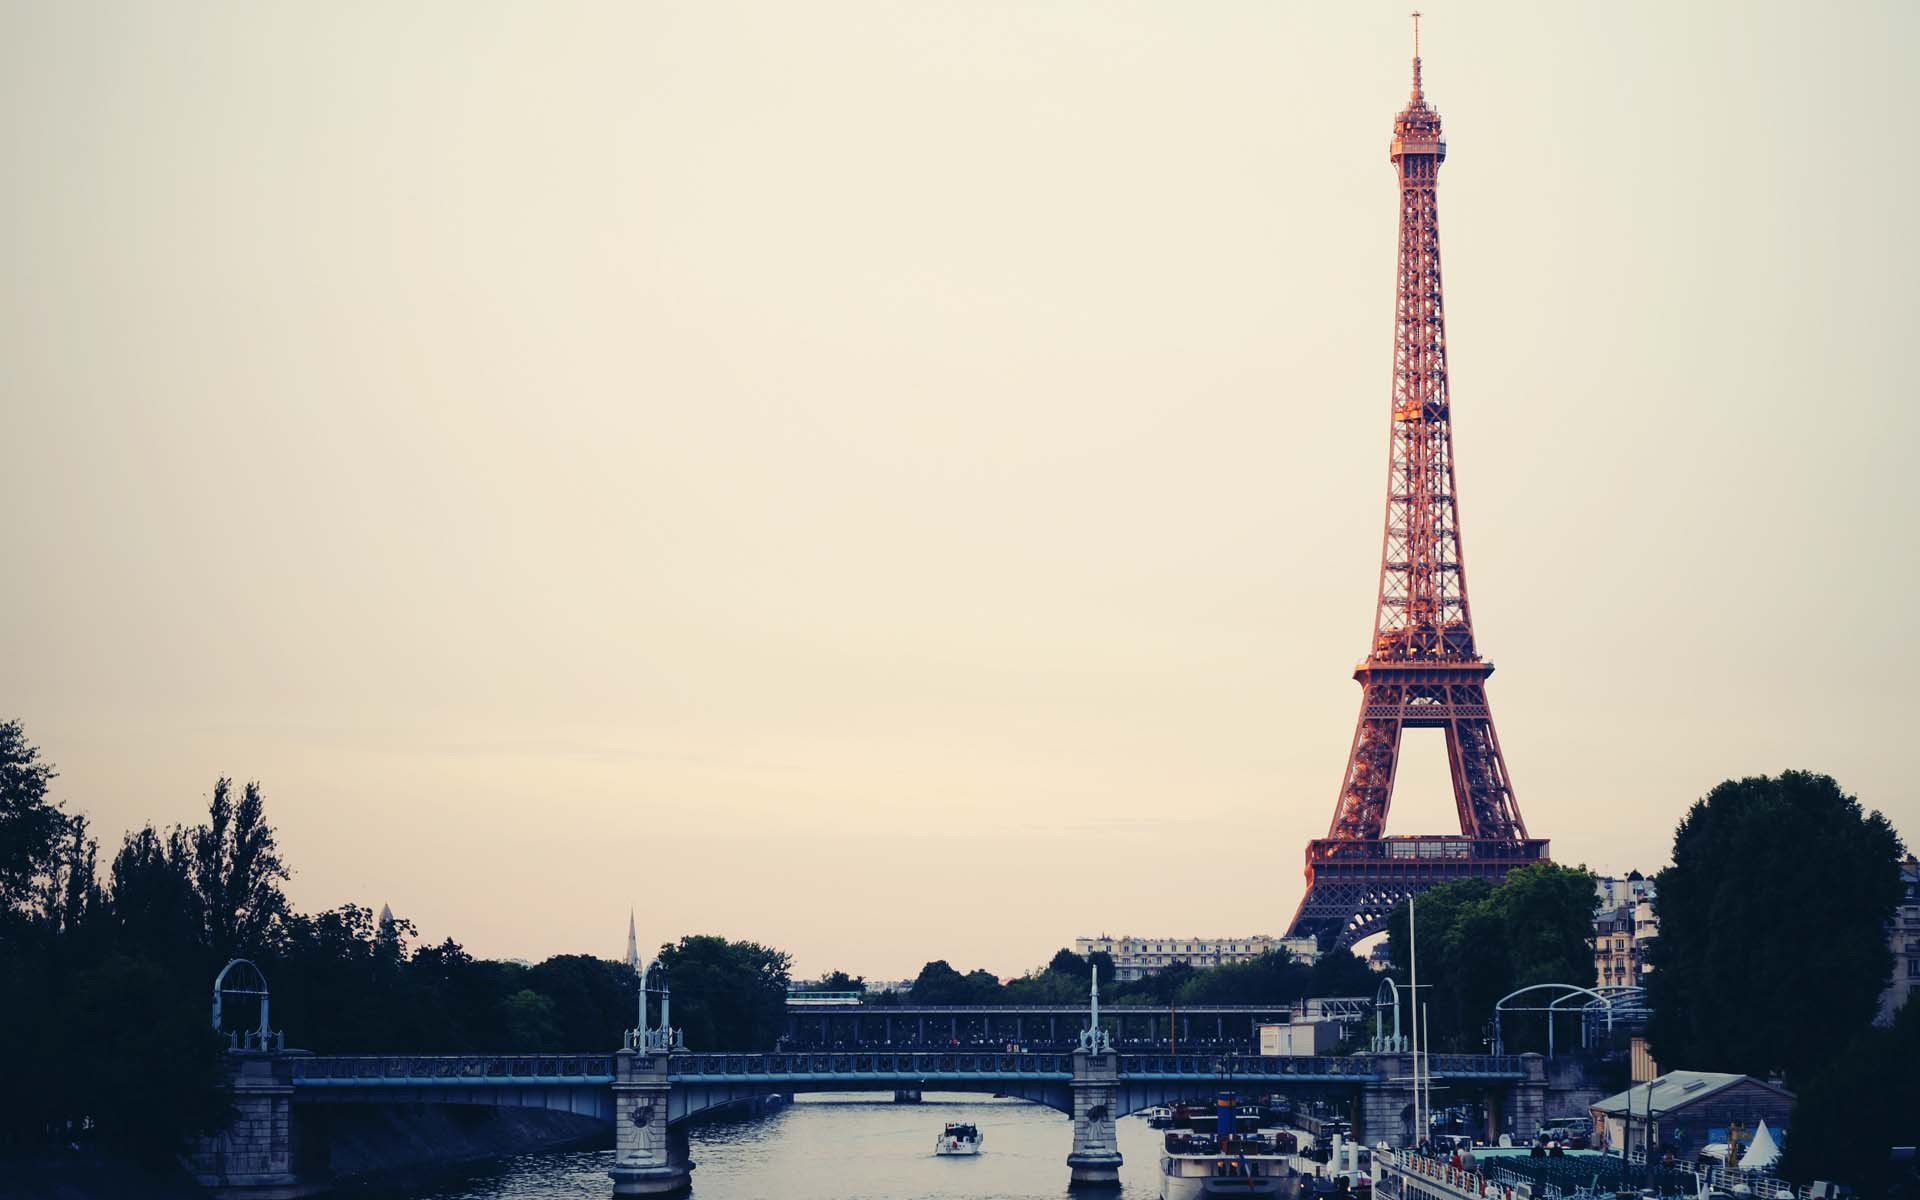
{"x": 107, "y": 970}
{"x": 1271, "y": 978}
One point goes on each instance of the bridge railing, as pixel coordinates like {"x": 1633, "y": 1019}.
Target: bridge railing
{"x": 1248, "y": 1066}
{"x": 692, "y": 1066}
{"x": 1485, "y": 1066}
{"x": 344, "y": 1069}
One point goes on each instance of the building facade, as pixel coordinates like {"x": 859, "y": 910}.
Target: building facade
{"x": 1624, "y": 926}
{"x": 1688, "y": 1111}
{"x": 1139, "y": 957}
{"x": 1903, "y": 938}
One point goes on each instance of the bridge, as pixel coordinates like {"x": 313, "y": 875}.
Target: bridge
{"x": 839, "y": 1021}
{"x": 648, "y": 1090}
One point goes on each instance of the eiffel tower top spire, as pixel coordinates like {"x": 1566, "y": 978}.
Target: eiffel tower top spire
{"x": 1417, "y": 129}
{"x": 1418, "y": 95}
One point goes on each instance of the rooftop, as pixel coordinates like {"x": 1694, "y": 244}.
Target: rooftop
{"x": 1675, "y": 1089}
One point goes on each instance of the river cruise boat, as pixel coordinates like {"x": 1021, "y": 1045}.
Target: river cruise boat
{"x": 1197, "y": 1165}
{"x": 1224, "y": 1162}
{"x": 959, "y": 1137}
{"x": 1158, "y": 1117}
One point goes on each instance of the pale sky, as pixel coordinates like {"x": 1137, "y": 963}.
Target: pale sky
{"x": 904, "y": 480}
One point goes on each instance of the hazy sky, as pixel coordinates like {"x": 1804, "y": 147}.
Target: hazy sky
{"x": 904, "y": 480}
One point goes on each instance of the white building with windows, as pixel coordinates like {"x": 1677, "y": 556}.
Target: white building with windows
{"x": 1138, "y": 957}
{"x": 1903, "y": 938}
{"x": 1624, "y": 925}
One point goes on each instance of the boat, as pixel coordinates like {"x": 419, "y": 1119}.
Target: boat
{"x": 1225, "y": 1162}
{"x": 1158, "y": 1117}
{"x": 959, "y": 1137}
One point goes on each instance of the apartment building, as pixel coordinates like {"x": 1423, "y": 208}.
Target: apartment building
{"x": 1138, "y": 957}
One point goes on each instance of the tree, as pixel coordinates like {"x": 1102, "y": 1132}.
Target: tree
{"x": 141, "y": 1063}
{"x": 1102, "y": 962}
{"x": 1479, "y": 941}
{"x": 938, "y": 983}
{"x": 594, "y": 998}
{"x": 840, "y": 981}
{"x": 31, "y": 828}
{"x": 1341, "y": 973}
{"x": 151, "y": 903}
{"x": 727, "y": 995}
{"x": 532, "y": 1021}
{"x": 1157, "y": 989}
{"x": 1270, "y": 978}
{"x": 1066, "y": 962}
{"x": 238, "y": 872}
{"x": 1772, "y": 948}
{"x": 1856, "y": 1107}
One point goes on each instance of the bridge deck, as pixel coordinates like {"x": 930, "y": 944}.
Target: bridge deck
{"x": 319, "y": 1072}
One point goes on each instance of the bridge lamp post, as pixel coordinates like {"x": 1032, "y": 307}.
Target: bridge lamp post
{"x": 1646, "y": 1143}
{"x": 1646, "y": 1134}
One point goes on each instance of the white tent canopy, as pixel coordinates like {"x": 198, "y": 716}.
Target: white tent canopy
{"x": 1762, "y": 1152}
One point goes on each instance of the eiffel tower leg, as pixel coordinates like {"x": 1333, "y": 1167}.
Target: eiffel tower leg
{"x": 1371, "y": 765}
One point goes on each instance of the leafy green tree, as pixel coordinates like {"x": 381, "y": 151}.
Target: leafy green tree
{"x": 1066, "y": 962}
{"x": 140, "y": 1061}
{"x": 1341, "y": 973}
{"x": 1159, "y": 989}
{"x": 1856, "y": 1107}
{"x": 841, "y": 982}
{"x": 727, "y": 995}
{"x": 532, "y": 1021}
{"x": 1772, "y": 948}
{"x": 238, "y": 872}
{"x": 31, "y": 828}
{"x": 939, "y": 983}
{"x": 1102, "y": 962}
{"x": 594, "y": 998}
{"x": 1271, "y": 978}
{"x": 1479, "y": 941}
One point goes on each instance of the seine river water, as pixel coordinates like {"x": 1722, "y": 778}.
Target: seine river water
{"x": 838, "y": 1148}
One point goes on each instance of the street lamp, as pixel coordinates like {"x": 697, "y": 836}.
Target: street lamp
{"x": 1646, "y": 1135}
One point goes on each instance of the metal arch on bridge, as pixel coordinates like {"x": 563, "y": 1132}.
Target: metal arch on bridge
{"x": 1608, "y": 999}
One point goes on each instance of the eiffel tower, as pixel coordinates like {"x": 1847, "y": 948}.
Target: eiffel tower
{"x": 1424, "y": 670}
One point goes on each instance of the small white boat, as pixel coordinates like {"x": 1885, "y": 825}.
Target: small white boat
{"x": 959, "y": 1137}
{"x": 1159, "y": 1116}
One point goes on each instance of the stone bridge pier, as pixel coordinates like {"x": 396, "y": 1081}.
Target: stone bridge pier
{"x": 1095, "y": 1159}
{"x": 254, "y": 1157}
{"x": 649, "y": 1159}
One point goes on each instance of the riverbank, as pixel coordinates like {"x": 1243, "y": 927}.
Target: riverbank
{"x": 360, "y": 1146}
{"x": 368, "y": 1145}
{"x": 86, "y": 1175}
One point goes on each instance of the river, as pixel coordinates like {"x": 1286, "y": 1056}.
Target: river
{"x": 844, "y": 1147}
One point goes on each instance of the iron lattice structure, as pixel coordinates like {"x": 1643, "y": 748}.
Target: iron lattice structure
{"x": 1424, "y": 669}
